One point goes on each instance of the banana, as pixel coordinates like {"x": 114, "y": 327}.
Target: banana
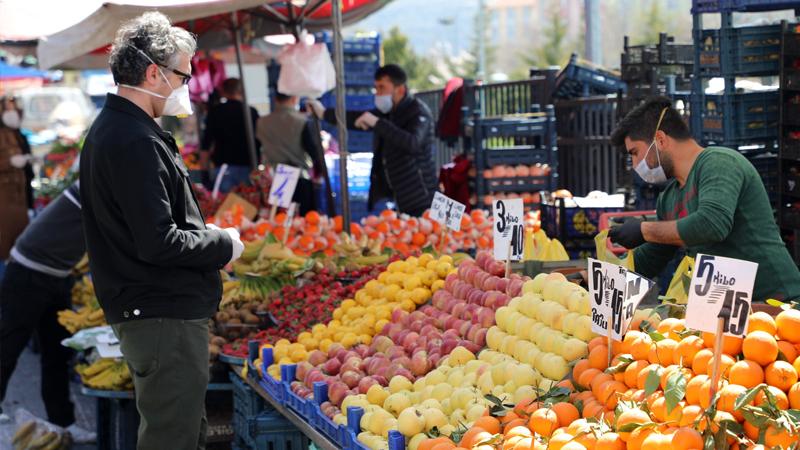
{"x": 98, "y": 366}
{"x": 56, "y": 443}
{"x": 96, "y": 315}
{"x": 43, "y": 441}
{"x": 24, "y": 432}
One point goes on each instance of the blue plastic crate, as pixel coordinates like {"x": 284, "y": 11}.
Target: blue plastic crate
{"x": 752, "y": 50}
{"x": 357, "y": 45}
{"x": 564, "y": 223}
{"x": 352, "y": 102}
{"x": 519, "y": 184}
{"x": 580, "y": 79}
{"x": 245, "y": 399}
{"x": 272, "y": 431}
{"x": 336, "y": 433}
{"x": 711, "y": 6}
{"x": 357, "y": 141}
{"x": 754, "y": 117}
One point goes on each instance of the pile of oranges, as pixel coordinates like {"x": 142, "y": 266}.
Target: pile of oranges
{"x": 625, "y": 405}
{"x": 400, "y": 233}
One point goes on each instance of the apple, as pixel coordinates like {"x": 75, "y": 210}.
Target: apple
{"x": 337, "y": 392}
{"x": 502, "y": 284}
{"x": 395, "y": 352}
{"x": 420, "y": 364}
{"x": 303, "y": 368}
{"x": 352, "y": 363}
{"x": 439, "y": 298}
{"x": 313, "y": 376}
{"x": 416, "y": 326}
{"x": 458, "y": 309}
{"x": 381, "y": 380}
{"x": 381, "y": 344}
{"x": 351, "y": 378}
{"x": 480, "y": 337}
{"x": 403, "y": 361}
{"x": 398, "y": 315}
{"x": 317, "y": 357}
{"x": 514, "y": 288}
{"x": 464, "y": 328}
{"x": 409, "y": 340}
{"x": 448, "y": 345}
{"x": 449, "y": 281}
{"x": 331, "y": 367}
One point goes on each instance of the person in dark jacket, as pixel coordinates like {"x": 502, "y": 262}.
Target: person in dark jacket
{"x": 37, "y": 284}
{"x": 154, "y": 262}
{"x": 402, "y": 162}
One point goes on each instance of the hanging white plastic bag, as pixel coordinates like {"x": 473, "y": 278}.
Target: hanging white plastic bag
{"x": 306, "y": 69}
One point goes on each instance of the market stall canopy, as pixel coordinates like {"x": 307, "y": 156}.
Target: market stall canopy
{"x": 209, "y": 19}
{"x": 9, "y": 72}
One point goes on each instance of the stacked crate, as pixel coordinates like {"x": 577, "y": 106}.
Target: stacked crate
{"x": 789, "y": 173}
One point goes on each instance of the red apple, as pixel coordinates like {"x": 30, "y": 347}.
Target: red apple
{"x": 480, "y": 338}
{"x": 502, "y": 284}
{"x": 331, "y": 367}
{"x": 514, "y": 287}
{"x": 303, "y": 368}
{"x": 480, "y": 279}
{"x": 420, "y": 365}
{"x": 399, "y": 315}
{"x": 317, "y": 357}
{"x": 365, "y": 383}
{"x": 337, "y": 392}
{"x": 351, "y": 378}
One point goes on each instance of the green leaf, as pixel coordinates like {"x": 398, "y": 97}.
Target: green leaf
{"x": 493, "y": 399}
{"x": 629, "y": 427}
{"x": 747, "y": 397}
{"x": 708, "y": 442}
{"x": 676, "y": 389}
{"x": 387, "y": 251}
{"x": 270, "y": 239}
{"x": 429, "y": 249}
{"x": 652, "y": 382}
{"x": 656, "y": 336}
{"x": 318, "y": 255}
{"x": 794, "y": 415}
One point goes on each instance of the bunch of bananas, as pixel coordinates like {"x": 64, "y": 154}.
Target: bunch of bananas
{"x": 272, "y": 258}
{"x": 30, "y": 437}
{"x": 84, "y": 317}
{"x": 250, "y": 288}
{"x": 83, "y": 293}
{"x": 350, "y": 248}
{"x": 106, "y": 374}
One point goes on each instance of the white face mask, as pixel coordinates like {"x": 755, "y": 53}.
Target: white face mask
{"x": 11, "y": 118}
{"x": 383, "y": 103}
{"x": 178, "y": 102}
{"x": 655, "y": 175}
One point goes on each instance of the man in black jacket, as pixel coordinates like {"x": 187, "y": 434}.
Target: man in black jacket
{"x": 154, "y": 262}
{"x": 402, "y": 159}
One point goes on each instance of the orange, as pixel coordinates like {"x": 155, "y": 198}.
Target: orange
{"x": 561, "y": 441}
{"x": 780, "y": 374}
{"x": 670, "y": 327}
{"x": 429, "y": 444}
{"x": 587, "y": 439}
{"x": 761, "y": 321}
{"x": 543, "y": 422}
{"x": 642, "y": 378}
{"x": 609, "y": 441}
{"x": 632, "y": 372}
{"x": 662, "y": 352}
{"x": 661, "y": 414}
{"x": 750, "y": 430}
{"x": 730, "y": 345}
{"x": 668, "y": 371}
{"x": 609, "y": 393}
{"x": 788, "y": 350}
{"x": 518, "y": 431}
{"x": 516, "y": 423}
{"x": 444, "y": 445}
{"x": 597, "y": 341}
{"x": 524, "y": 443}
{"x": 639, "y": 347}
{"x": 687, "y": 348}
{"x": 570, "y": 445}
{"x": 689, "y": 415}
{"x": 592, "y": 410}
{"x": 578, "y": 369}
{"x": 775, "y": 437}
{"x": 701, "y": 360}
{"x": 312, "y": 217}
{"x": 637, "y": 437}
{"x": 760, "y": 347}
{"x": 796, "y": 364}
{"x": 468, "y": 439}
{"x": 597, "y": 382}
{"x": 705, "y": 392}
{"x": 794, "y": 396}
{"x": 488, "y": 423}
{"x": 725, "y": 364}
{"x": 746, "y": 373}
{"x": 628, "y": 417}
{"x": 567, "y": 384}
{"x": 727, "y": 398}
{"x": 579, "y": 426}
{"x": 566, "y": 413}
{"x": 656, "y": 441}
{"x": 788, "y": 324}
{"x": 598, "y": 357}
{"x": 686, "y": 438}
{"x": 781, "y": 400}
{"x": 587, "y": 376}
{"x": 509, "y": 417}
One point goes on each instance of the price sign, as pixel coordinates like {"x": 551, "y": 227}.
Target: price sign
{"x": 636, "y": 288}
{"x": 720, "y": 283}
{"x": 607, "y": 286}
{"x": 283, "y": 185}
{"x": 509, "y": 229}
{"x": 447, "y": 211}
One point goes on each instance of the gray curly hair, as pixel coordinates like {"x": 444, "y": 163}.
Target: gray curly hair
{"x": 154, "y": 35}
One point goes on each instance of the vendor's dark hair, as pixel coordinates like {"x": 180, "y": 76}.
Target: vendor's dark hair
{"x": 395, "y": 73}
{"x": 640, "y": 124}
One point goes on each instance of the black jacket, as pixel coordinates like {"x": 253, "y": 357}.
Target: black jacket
{"x": 402, "y": 160}
{"x": 149, "y": 250}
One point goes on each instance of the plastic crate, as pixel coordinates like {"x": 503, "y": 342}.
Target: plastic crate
{"x": 352, "y": 102}
{"x": 273, "y": 387}
{"x": 336, "y": 433}
{"x": 360, "y": 73}
{"x": 754, "y": 116}
{"x": 579, "y": 79}
{"x": 272, "y": 431}
{"x": 245, "y": 399}
{"x": 753, "y": 50}
{"x": 298, "y": 404}
{"x": 710, "y": 6}
{"x": 513, "y": 156}
{"x": 563, "y": 223}
{"x": 357, "y": 141}
{"x": 706, "y": 6}
{"x": 519, "y": 184}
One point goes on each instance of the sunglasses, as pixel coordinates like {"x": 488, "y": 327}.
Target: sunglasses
{"x": 185, "y": 77}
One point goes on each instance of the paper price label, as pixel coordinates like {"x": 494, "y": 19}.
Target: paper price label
{"x": 720, "y": 283}
{"x": 447, "y": 211}
{"x": 284, "y": 182}
{"x": 607, "y": 286}
{"x": 636, "y": 288}
{"x": 509, "y": 229}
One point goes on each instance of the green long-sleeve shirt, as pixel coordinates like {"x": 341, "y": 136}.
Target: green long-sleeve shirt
{"x": 723, "y": 210}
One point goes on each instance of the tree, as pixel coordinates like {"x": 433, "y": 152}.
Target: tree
{"x": 397, "y": 50}
{"x": 481, "y": 33}
{"x": 654, "y": 23}
{"x": 555, "y": 50}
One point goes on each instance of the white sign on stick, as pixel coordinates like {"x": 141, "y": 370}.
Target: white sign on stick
{"x": 509, "y": 229}
{"x": 607, "y": 286}
{"x": 284, "y": 182}
{"x": 447, "y": 211}
{"x": 636, "y": 288}
{"x": 717, "y": 283}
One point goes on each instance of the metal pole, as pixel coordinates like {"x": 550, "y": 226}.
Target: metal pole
{"x": 341, "y": 112}
{"x": 594, "y": 44}
{"x": 248, "y": 118}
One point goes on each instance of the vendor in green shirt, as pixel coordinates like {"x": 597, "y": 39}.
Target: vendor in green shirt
{"x": 714, "y": 202}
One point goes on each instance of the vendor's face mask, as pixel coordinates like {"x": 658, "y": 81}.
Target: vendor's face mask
{"x": 177, "y": 103}
{"x": 654, "y": 175}
{"x": 383, "y": 103}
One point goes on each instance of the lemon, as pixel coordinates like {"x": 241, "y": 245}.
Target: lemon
{"x": 383, "y": 277}
{"x": 412, "y": 262}
{"x": 303, "y": 336}
{"x": 282, "y": 343}
{"x": 424, "y": 259}
{"x": 347, "y": 304}
{"x": 338, "y": 313}
{"x": 349, "y": 340}
{"x": 325, "y": 345}
{"x": 408, "y": 305}
{"x": 446, "y": 259}
{"x": 390, "y": 292}
{"x": 379, "y": 325}
{"x": 436, "y": 285}
{"x": 412, "y": 282}
{"x": 420, "y": 295}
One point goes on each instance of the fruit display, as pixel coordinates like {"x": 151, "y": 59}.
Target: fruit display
{"x": 403, "y": 285}
{"x": 106, "y": 374}
{"x": 36, "y": 435}
{"x": 88, "y": 313}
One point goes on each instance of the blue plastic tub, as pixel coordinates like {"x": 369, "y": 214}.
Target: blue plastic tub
{"x": 272, "y": 431}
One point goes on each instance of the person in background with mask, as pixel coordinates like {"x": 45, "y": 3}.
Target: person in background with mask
{"x": 403, "y": 169}
{"x": 224, "y": 142}
{"x": 287, "y": 138}
{"x": 714, "y": 202}
{"x": 154, "y": 263}
{"x": 16, "y": 195}
{"x": 37, "y": 284}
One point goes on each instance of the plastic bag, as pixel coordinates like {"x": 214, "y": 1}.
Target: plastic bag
{"x": 306, "y": 70}
{"x": 679, "y": 286}
{"x": 604, "y": 254}
{"x": 33, "y": 432}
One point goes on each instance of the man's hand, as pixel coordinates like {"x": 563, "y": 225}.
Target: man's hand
{"x": 238, "y": 247}
{"x": 366, "y": 121}
{"x": 629, "y": 234}
{"x": 314, "y": 106}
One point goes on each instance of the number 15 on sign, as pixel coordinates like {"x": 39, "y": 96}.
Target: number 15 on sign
{"x": 509, "y": 229}
{"x": 720, "y": 284}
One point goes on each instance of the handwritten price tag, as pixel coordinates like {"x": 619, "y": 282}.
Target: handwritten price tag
{"x": 720, "y": 283}
{"x": 447, "y": 211}
{"x": 283, "y": 185}
{"x": 607, "y": 286}
{"x": 509, "y": 229}
{"x": 636, "y": 288}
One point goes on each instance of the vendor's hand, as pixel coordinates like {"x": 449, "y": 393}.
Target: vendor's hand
{"x": 238, "y": 247}
{"x": 314, "y": 106}
{"x": 20, "y": 161}
{"x": 629, "y": 234}
{"x": 366, "y": 121}
{"x": 212, "y": 226}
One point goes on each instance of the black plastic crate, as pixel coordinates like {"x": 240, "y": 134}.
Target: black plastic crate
{"x": 754, "y": 116}
{"x": 518, "y": 184}
{"x": 580, "y": 79}
{"x": 563, "y": 223}
{"x": 751, "y": 50}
